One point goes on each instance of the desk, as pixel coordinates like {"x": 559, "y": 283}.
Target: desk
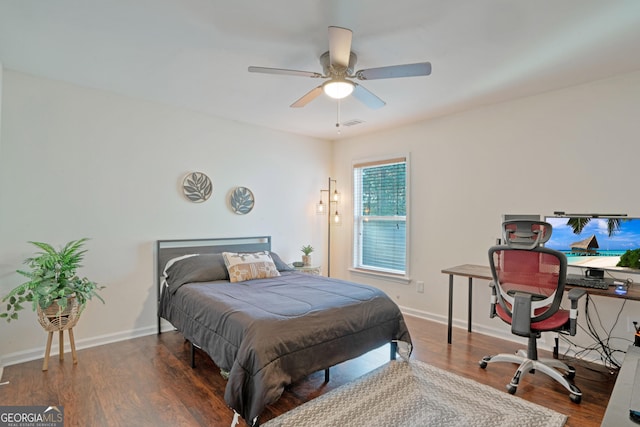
{"x": 617, "y": 413}
{"x": 472, "y": 272}
{"x": 483, "y": 272}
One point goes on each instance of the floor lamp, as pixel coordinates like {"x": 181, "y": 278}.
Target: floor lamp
{"x": 332, "y": 218}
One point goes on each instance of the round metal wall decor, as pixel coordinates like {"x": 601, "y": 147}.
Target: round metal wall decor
{"x": 241, "y": 200}
{"x": 197, "y": 187}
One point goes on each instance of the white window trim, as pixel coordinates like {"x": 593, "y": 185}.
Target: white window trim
{"x": 402, "y": 278}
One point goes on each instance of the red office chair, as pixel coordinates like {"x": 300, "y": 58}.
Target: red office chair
{"x": 527, "y": 290}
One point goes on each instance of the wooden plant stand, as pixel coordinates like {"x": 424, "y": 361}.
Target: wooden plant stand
{"x": 45, "y": 365}
{"x": 53, "y": 319}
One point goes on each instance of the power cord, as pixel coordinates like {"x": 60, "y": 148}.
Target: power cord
{"x": 601, "y": 344}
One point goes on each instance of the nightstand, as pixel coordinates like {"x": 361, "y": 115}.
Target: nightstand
{"x": 314, "y": 270}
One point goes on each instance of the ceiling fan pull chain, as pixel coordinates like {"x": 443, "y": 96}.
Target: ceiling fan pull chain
{"x": 338, "y": 117}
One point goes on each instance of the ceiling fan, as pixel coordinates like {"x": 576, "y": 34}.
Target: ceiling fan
{"x": 338, "y": 65}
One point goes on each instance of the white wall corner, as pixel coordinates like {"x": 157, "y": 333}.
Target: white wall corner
{"x": 1, "y": 69}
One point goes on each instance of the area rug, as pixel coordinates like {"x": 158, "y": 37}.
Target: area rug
{"x": 415, "y": 394}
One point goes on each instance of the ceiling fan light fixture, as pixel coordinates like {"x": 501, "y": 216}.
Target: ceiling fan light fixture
{"x": 338, "y": 88}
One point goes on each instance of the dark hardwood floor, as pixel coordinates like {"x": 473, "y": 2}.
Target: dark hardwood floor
{"x": 148, "y": 381}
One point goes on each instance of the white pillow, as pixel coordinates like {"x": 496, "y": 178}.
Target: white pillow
{"x": 163, "y": 280}
{"x": 248, "y": 266}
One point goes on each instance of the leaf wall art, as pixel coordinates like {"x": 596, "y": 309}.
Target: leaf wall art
{"x": 241, "y": 200}
{"x": 197, "y": 187}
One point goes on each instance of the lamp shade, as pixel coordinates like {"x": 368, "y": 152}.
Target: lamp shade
{"x": 338, "y": 88}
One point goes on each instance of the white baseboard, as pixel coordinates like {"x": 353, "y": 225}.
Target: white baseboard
{"x": 38, "y": 353}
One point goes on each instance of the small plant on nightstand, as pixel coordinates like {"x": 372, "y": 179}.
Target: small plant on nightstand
{"x": 306, "y": 258}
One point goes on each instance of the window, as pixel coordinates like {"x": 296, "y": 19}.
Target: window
{"x": 380, "y": 216}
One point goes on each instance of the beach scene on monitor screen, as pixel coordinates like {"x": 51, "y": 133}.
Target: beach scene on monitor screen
{"x": 593, "y": 246}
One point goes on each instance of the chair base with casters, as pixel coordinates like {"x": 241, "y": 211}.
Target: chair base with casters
{"x": 527, "y": 364}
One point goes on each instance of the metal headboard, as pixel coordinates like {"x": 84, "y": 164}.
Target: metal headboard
{"x": 168, "y": 249}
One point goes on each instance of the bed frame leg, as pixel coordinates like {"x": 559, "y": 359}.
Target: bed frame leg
{"x": 193, "y": 355}
{"x": 326, "y": 375}
{"x": 394, "y": 349}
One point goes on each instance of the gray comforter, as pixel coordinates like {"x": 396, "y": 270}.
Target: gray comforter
{"x": 269, "y": 333}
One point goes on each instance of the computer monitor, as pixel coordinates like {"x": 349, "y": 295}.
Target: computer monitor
{"x": 594, "y": 246}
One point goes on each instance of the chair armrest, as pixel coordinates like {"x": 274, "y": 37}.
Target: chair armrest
{"x": 574, "y": 295}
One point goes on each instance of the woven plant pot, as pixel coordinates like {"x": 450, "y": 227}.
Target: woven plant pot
{"x": 54, "y": 319}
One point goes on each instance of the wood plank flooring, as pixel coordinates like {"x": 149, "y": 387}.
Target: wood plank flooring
{"x": 148, "y": 381}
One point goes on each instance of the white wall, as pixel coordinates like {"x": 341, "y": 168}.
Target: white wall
{"x": 77, "y": 162}
{"x": 572, "y": 150}
{"x": 1, "y": 75}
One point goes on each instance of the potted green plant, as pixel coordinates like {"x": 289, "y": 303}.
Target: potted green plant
{"x": 53, "y": 281}
{"x": 306, "y": 258}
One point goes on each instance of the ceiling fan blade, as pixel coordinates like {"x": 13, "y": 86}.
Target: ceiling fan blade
{"x": 283, "y": 71}
{"x": 367, "y": 98}
{"x": 393, "y": 71}
{"x": 308, "y": 97}
{"x": 339, "y": 46}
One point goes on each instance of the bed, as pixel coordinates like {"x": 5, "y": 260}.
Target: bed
{"x": 272, "y": 330}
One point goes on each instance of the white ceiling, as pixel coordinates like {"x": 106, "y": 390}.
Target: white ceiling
{"x": 194, "y": 53}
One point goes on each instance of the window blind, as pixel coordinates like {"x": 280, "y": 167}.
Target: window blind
{"x": 380, "y": 215}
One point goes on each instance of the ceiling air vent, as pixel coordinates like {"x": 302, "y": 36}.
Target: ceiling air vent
{"x": 352, "y": 122}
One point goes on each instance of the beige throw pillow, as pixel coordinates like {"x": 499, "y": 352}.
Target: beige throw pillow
{"x": 248, "y": 266}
